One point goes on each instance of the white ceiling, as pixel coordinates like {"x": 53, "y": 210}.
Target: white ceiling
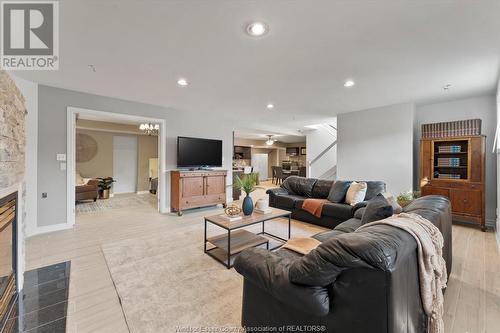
{"x": 263, "y": 135}
{"x": 395, "y": 50}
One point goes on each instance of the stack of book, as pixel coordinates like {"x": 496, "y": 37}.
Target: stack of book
{"x": 231, "y": 218}
{"x": 449, "y": 161}
{"x": 264, "y": 210}
{"x": 453, "y": 128}
{"x": 448, "y": 176}
{"x": 450, "y": 149}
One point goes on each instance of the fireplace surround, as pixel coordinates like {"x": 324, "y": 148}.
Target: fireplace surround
{"x": 8, "y": 255}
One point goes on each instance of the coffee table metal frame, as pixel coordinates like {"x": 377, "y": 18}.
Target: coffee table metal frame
{"x": 227, "y": 262}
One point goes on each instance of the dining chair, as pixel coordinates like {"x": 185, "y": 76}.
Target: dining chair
{"x": 302, "y": 171}
{"x": 280, "y": 176}
{"x": 273, "y": 173}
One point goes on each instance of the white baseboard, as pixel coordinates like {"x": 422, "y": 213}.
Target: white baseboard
{"x": 166, "y": 211}
{"x": 497, "y": 233}
{"x": 142, "y": 192}
{"x": 490, "y": 223}
{"x": 48, "y": 228}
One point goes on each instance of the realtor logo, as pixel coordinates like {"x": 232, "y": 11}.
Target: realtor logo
{"x": 30, "y": 35}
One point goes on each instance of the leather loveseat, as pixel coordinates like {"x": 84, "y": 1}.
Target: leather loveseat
{"x": 89, "y": 191}
{"x": 361, "y": 282}
{"x": 294, "y": 190}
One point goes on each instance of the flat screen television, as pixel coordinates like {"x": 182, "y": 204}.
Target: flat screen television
{"x": 196, "y": 152}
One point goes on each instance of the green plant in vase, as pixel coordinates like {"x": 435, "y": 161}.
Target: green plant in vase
{"x": 406, "y": 198}
{"x": 247, "y": 184}
{"x": 105, "y": 185}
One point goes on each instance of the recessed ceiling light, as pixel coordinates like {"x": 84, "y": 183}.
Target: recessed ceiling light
{"x": 257, "y": 29}
{"x": 182, "y": 82}
{"x": 270, "y": 106}
{"x": 349, "y": 83}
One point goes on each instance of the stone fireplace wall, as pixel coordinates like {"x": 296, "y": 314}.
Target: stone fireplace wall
{"x": 12, "y": 133}
{"x": 12, "y": 158}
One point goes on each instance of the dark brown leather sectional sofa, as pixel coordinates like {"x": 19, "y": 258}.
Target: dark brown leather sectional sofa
{"x": 363, "y": 282}
{"x": 294, "y": 190}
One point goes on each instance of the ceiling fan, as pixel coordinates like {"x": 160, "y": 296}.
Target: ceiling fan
{"x": 270, "y": 140}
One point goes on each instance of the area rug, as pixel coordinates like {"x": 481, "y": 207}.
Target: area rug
{"x": 117, "y": 202}
{"x": 166, "y": 283}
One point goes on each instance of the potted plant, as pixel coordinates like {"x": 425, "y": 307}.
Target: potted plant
{"x": 247, "y": 184}
{"x": 104, "y": 186}
{"x": 406, "y": 198}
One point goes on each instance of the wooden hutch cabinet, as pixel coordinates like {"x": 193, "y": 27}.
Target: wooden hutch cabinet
{"x": 455, "y": 168}
{"x": 194, "y": 189}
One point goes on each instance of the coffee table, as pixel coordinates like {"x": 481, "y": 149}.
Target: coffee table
{"x": 236, "y": 239}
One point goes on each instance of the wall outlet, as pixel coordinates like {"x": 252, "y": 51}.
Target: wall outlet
{"x": 61, "y": 157}
{"x": 44, "y": 195}
{"x": 62, "y": 165}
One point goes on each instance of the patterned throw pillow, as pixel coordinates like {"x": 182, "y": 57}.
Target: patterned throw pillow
{"x": 356, "y": 193}
{"x": 378, "y": 208}
{"x": 393, "y": 202}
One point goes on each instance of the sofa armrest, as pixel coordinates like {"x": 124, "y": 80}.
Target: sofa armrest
{"x": 93, "y": 182}
{"x": 277, "y": 191}
{"x": 269, "y": 272}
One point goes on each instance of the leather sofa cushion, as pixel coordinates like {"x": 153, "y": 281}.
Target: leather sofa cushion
{"x": 379, "y": 246}
{"x": 269, "y": 272}
{"x": 288, "y": 201}
{"x": 299, "y": 185}
{"x": 322, "y": 188}
{"x": 359, "y": 213}
{"x": 349, "y": 225}
{"x": 337, "y": 210}
{"x": 344, "y": 227}
{"x": 326, "y": 235}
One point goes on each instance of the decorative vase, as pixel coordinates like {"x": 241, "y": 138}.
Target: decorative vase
{"x": 247, "y": 205}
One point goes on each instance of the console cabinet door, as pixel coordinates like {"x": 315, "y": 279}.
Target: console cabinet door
{"x": 466, "y": 202}
{"x": 425, "y": 161}
{"x": 477, "y": 159}
{"x": 192, "y": 187}
{"x": 215, "y": 185}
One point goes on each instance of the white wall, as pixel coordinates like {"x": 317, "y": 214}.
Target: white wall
{"x": 482, "y": 107}
{"x": 497, "y": 231}
{"x": 377, "y": 144}
{"x": 53, "y": 104}
{"x": 27, "y": 225}
{"x": 317, "y": 141}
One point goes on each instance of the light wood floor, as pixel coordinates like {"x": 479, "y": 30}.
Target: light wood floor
{"x": 472, "y": 301}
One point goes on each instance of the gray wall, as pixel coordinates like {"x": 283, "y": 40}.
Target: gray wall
{"x": 482, "y": 107}
{"x": 52, "y": 108}
{"x": 377, "y": 144}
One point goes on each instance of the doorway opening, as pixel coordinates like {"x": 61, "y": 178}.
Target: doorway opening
{"x": 114, "y": 163}
{"x": 271, "y": 156}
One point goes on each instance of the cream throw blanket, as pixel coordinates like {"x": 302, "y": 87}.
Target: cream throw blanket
{"x": 432, "y": 267}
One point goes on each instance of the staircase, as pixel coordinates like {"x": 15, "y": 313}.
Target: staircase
{"x": 322, "y": 145}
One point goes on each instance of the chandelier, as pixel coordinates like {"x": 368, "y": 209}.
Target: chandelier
{"x": 150, "y": 129}
{"x": 270, "y": 141}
